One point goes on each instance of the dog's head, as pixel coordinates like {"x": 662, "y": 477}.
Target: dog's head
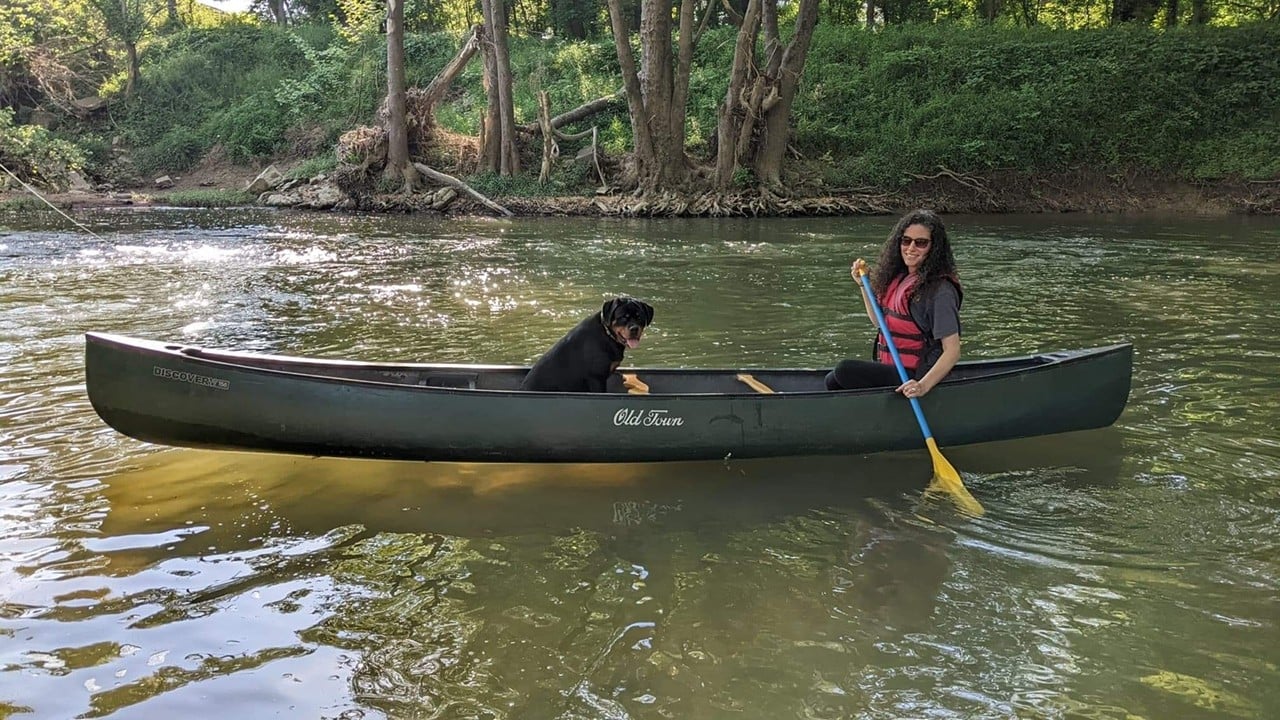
{"x": 626, "y": 318}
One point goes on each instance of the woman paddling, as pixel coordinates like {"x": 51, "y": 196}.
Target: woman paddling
{"x": 916, "y": 284}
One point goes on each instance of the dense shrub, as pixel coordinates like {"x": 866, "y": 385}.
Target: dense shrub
{"x": 203, "y": 86}
{"x": 33, "y": 154}
{"x": 913, "y": 98}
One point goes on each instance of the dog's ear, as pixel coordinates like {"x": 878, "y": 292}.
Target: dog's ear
{"x": 606, "y": 310}
{"x": 648, "y": 311}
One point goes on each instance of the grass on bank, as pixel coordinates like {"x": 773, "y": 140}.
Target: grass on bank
{"x": 204, "y": 198}
{"x": 24, "y": 204}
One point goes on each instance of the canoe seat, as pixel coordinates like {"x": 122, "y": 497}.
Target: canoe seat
{"x": 634, "y": 385}
{"x": 754, "y": 384}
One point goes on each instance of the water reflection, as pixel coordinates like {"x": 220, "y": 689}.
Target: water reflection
{"x": 465, "y": 499}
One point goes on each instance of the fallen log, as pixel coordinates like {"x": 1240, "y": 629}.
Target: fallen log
{"x": 454, "y": 182}
{"x": 584, "y": 110}
{"x": 440, "y": 84}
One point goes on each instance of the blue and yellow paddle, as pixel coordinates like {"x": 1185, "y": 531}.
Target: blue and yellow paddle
{"x": 945, "y": 477}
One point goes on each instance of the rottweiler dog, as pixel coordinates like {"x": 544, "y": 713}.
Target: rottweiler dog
{"x": 583, "y": 360}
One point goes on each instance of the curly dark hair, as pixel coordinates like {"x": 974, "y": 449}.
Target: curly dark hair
{"x": 938, "y": 264}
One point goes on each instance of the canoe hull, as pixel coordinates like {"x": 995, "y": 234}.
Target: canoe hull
{"x": 160, "y": 394}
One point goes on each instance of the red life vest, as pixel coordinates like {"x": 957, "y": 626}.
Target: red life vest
{"x": 907, "y": 335}
{"x": 914, "y": 346}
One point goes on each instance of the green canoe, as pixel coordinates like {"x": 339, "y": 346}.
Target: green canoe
{"x": 174, "y": 394}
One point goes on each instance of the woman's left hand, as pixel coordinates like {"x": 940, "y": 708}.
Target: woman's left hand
{"x": 913, "y": 389}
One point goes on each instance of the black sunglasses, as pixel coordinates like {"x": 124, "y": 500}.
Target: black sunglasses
{"x": 920, "y": 243}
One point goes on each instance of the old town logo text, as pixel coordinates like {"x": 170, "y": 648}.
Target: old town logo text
{"x": 646, "y": 418}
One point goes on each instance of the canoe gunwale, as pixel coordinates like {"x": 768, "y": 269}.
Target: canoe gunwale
{"x": 1017, "y": 365}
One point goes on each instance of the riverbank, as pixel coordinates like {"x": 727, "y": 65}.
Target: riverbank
{"x": 947, "y": 192}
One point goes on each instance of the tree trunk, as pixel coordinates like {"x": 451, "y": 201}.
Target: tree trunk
{"x": 132, "y": 83}
{"x": 550, "y": 150}
{"x": 280, "y": 11}
{"x": 1199, "y": 12}
{"x": 777, "y": 106}
{"x": 754, "y": 120}
{"x": 735, "y": 115}
{"x": 500, "y": 130}
{"x": 398, "y": 164}
{"x": 656, "y": 104}
{"x": 173, "y": 11}
{"x": 642, "y": 141}
{"x": 490, "y": 125}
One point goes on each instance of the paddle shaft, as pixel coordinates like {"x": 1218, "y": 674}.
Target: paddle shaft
{"x": 893, "y": 351}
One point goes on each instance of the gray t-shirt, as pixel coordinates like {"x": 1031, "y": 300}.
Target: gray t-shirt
{"x": 939, "y": 316}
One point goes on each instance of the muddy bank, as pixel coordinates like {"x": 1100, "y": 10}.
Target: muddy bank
{"x": 944, "y": 192}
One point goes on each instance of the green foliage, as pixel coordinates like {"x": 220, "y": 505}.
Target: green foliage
{"x": 525, "y": 185}
{"x": 178, "y": 149}
{"x": 913, "y": 99}
{"x": 571, "y": 73}
{"x": 127, "y": 20}
{"x": 253, "y": 127}
{"x": 33, "y": 154}
{"x": 202, "y": 87}
{"x": 312, "y": 167}
{"x": 338, "y": 84}
{"x": 39, "y": 25}
{"x": 360, "y": 18}
{"x": 1248, "y": 154}
{"x": 879, "y": 106}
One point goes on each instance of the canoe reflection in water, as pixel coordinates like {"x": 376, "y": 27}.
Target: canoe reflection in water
{"x": 315, "y": 495}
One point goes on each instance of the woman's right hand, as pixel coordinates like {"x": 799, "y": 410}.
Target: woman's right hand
{"x": 858, "y": 269}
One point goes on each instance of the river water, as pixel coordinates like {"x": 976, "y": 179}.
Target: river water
{"x": 1130, "y": 572}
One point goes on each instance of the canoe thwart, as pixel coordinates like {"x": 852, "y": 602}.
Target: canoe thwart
{"x": 754, "y": 384}
{"x": 634, "y": 385}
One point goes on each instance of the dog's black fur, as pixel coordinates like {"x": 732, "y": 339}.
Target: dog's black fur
{"x": 583, "y": 360}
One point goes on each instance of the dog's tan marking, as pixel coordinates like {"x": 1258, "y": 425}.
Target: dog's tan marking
{"x": 755, "y": 384}
{"x": 634, "y": 385}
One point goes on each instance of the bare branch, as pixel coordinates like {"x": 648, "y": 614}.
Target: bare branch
{"x": 457, "y": 184}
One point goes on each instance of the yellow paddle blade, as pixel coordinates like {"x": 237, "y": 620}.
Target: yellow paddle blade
{"x": 946, "y": 479}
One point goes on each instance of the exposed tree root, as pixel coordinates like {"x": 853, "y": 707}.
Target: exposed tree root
{"x": 981, "y": 193}
{"x": 706, "y": 205}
